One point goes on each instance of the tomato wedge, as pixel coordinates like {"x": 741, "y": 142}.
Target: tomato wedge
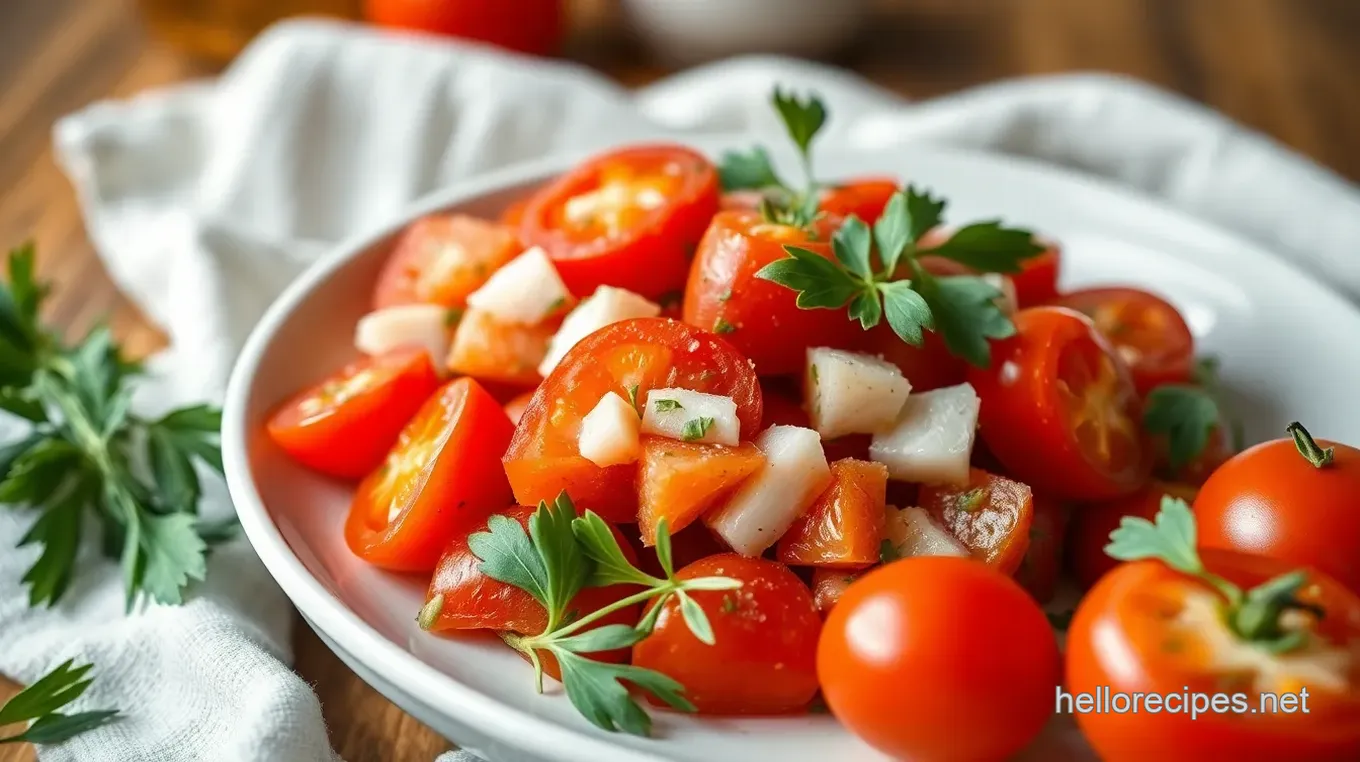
{"x": 628, "y": 218}
{"x": 1146, "y": 331}
{"x": 844, "y": 527}
{"x": 628, "y": 358}
{"x": 864, "y": 198}
{"x": 1060, "y": 411}
{"x": 345, "y": 425}
{"x": 443, "y": 477}
{"x": 678, "y": 481}
{"x": 441, "y": 259}
{"x": 991, "y": 515}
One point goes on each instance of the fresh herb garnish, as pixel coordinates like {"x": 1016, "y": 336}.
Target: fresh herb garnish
{"x": 560, "y": 555}
{"x": 781, "y": 202}
{"x": 888, "y": 552}
{"x": 721, "y": 326}
{"x": 663, "y": 406}
{"x": 696, "y": 428}
{"x": 87, "y": 452}
{"x": 632, "y": 395}
{"x": 1188, "y": 414}
{"x": 963, "y": 309}
{"x": 40, "y": 701}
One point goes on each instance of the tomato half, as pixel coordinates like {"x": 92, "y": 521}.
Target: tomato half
{"x": 763, "y": 660}
{"x": 864, "y": 198}
{"x": 991, "y": 515}
{"x": 1146, "y": 331}
{"x": 1059, "y": 409}
{"x": 629, "y": 218}
{"x": 1272, "y": 501}
{"x": 1147, "y": 629}
{"x": 1041, "y": 567}
{"x": 527, "y": 26}
{"x": 1092, "y": 524}
{"x": 843, "y": 528}
{"x": 1037, "y": 281}
{"x": 441, "y": 259}
{"x": 939, "y": 658}
{"x": 628, "y": 358}
{"x": 345, "y": 425}
{"x": 760, "y": 318}
{"x": 441, "y": 478}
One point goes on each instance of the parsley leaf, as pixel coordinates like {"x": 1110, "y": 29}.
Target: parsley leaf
{"x": 1170, "y": 538}
{"x": 966, "y": 315}
{"x": 907, "y": 311}
{"x": 1185, "y": 415}
{"x": 893, "y": 232}
{"x": 818, "y": 281}
{"x": 887, "y": 552}
{"x": 988, "y": 247}
{"x": 597, "y": 691}
{"x": 747, "y": 170}
{"x": 664, "y": 406}
{"x": 508, "y": 556}
{"x": 924, "y": 212}
{"x": 851, "y": 245}
{"x": 40, "y": 701}
{"x": 803, "y": 118}
{"x": 696, "y": 428}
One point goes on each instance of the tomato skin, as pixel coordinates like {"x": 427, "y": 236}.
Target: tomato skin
{"x": 525, "y": 26}
{"x": 649, "y": 254}
{"x": 1092, "y": 524}
{"x": 442, "y": 477}
{"x": 1037, "y": 281}
{"x": 678, "y": 481}
{"x": 843, "y": 528}
{"x": 441, "y": 259}
{"x": 351, "y": 439}
{"x": 514, "y": 409}
{"x": 651, "y": 353}
{"x": 1146, "y": 331}
{"x": 991, "y": 515}
{"x": 765, "y": 322}
{"x": 865, "y": 198}
{"x": 1054, "y": 380}
{"x": 1117, "y": 640}
{"x": 764, "y": 658}
{"x": 939, "y": 658}
{"x": 1271, "y": 501}
{"x": 1041, "y": 566}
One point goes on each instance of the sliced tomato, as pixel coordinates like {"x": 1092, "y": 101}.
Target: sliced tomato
{"x": 1092, "y": 524}
{"x": 828, "y": 585}
{"x": 1037, "y": 281}
{"x": 1042, "y": 565}
{"x": 628, "y": 358}
{"x": 760, "y": 318}
{"x": 441, "y": 259}
{"x": 441, "y": 478}
{"x": 345, "y": 425}
{"x": 991, "y": 515}
{"x": 864, "y": 198}
{"x": 628, "y": 218}
{"x": 1060, "y": 411}
{"x": 1146, "y": 331}
{"x": 844, "y": 527}
{"x": 678, "y": 481}
{"x": 514, "y": 409}
{"x": 490, "y": 350}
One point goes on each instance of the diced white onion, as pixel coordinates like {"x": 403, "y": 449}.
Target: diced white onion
{"x": 933, "y": 438}
{"x": 852, "y": 393}
{"x": 766, "y": 505}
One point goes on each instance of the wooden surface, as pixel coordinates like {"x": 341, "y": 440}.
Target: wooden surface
{"x": 1285, "y": 67}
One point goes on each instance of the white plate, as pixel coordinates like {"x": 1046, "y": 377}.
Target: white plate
{"x": 1285, "y": 341}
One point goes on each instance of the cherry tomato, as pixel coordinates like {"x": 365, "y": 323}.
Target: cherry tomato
{"x": 864, "y": 198}
{"x": 441, "y": 259}
{"x": 628, "y": 358}
{"x": 1147, "y": 333}
{"x": 678, "y": 481}
{"x": 828, "y": 585}
{"x": 1092, "y": 524}
{"x": 1059, "y": 410}
{"x": 763, "y": 660}
{"x": 526, "y": 26}
{"x": 991, "y": 515}
{"x": 1037, "y": 281}
{"x": 843, "y": 528}
{"x": 760, "y": 318}
{"x": 441, "y": 478}
{"x": 1042, "y": 565}
{"x": 629, "y": 218}
{"x": 1272, "y": 500}
{"x": 939, "y": 657}
{"x": 1147, "y": 629}
{"x": 345, "y": 425}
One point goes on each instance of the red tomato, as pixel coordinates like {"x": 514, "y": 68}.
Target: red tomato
{"x": 687, "y": 546}
{"x": 345, "y": 425}
{"x": 514, "y": 409}
{"x": 440, "y": 479}
{"x": 1059, "y": 410}
{"x": 991, "y": 515}
{"x": 828, "y": 585}
{"x": 763, "y": 658}
{"x": 1037, "y": 281}
{"x": 629, "y": 218}
{"x": 1147, "y": 333}
{"x": 640, "y": 355}
{"x": 1042, "y": 565}
{"x": 939, "y": 658}
{"x": 843, "y": 528}
{"x": 678, "y": 481}
{"x": 441, "y": 259}
{"x": 526, "y": 26}
{"x": 1272, "y": 500}
{"x": 760, "y": 318}
{"x": 513, "y": 214}
{"x": 864, "y": 198}
{"x": 1147, "y": 629}
{"x": 1092, "y": 524}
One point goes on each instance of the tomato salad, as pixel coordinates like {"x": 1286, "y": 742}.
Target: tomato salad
{"x": 702, "y": 437}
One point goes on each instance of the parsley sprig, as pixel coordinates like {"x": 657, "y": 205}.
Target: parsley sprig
{"x": 40, "y": 701}
{"x": 781, "y": 202}
{"x": 1187, "y": 414}
{"x": 85, "y": 451}
{"x": 559, "y": 556}
{"x": 878, "y": 273}
{"x": 1254, "y": 615}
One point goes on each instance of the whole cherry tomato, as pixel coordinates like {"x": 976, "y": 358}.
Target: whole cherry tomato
{"x": 763, "y": 660}
{"x": 628, "y": 218}
{"x": 1293, "y": 499}
{"x": 1093, "y": 522}
{"x": 526, "y": 26}
{"x": 864, "y": 198}
{"x": 939, "y": 658}
{"x": 1146, "y": 331}
{"x": 1060, "y": 411}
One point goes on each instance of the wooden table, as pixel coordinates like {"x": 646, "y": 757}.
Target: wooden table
{"x": 1285, "y": 67}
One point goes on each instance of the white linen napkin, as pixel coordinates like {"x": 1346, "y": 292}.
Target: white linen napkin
{"x": 204, "y": 200}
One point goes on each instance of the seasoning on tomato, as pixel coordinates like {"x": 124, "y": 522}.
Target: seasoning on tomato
{"x": 629, "y": 218}
{"x": 1093, "y": 522}
{"x": 441, "y": 259}
{"x": 991, "y": 515}
{"x": 628, "y": 358}
{"x": 1059, "y": 409}
{"x": 345, "y": 425}
{"x": 1176, "y": 623}
{"x": 1146, "y": 331}
{"x": 441, "y": 478}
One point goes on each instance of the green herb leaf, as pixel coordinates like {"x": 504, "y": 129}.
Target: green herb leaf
{"x": 40, "y": 701}
{"x": 747, "y": 170}
{"x": 58, "y": 532}
{"x": 1060, "y": 621}
{"x": 695, "y": 619}
{"x": 966, "y": 314}
{"x": 598, "y": 543}
{"x": 172, "y": 555}
{"x": 1170, "y": 539}
{"x": 696, "y": 428}
{"x": 1185, "y": 415}
{"x": 663, "y": 548}
{"x": 851, "y": 244}
{"x": 507, "y": 555}
{"x": 803, "y": 118}
{"x": 892, "y": 231}
{"x": 867, "y": 309}
{"x": 887, "y": 552}
{"x": 606, "y": 638}
{"x": 907, "y": 311}
{"x": 924, "y": 211}
{"x": 597, "y": 691}
{"x": 721, "y": 326}
{"x": 664, "y": 406}
{"x": 23, "y": 403}
{"x": 566, "y": 565}
{"x": 632, "y": 395}
{"x": 820, "y": 282}
{"x": 988, "y": 247}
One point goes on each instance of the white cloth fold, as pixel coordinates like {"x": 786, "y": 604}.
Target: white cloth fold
{"x": 206, "y": 199}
